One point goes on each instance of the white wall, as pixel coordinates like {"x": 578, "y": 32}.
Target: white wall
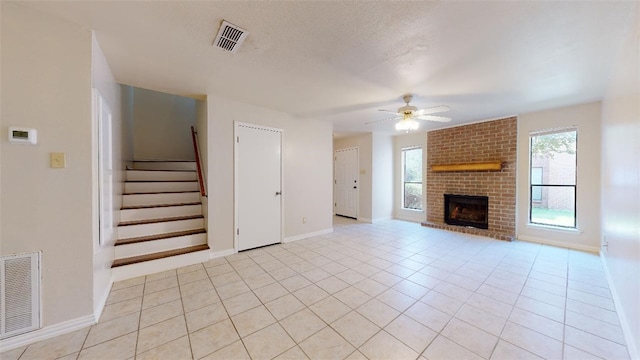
{"x": 382, "y": 176}
{"x": 307, "y": 189}
{"x": 162, "y": 126}
{"x": 364, "y": 143}
{"x": 400, "y": 142}
{"x": 102, "y": 79}
{"x": 621, "y": 184}
{"x": 46, "y": 84}
{"x": 586, "y": 118}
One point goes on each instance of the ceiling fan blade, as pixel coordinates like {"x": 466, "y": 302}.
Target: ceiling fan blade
{"x": 389, "y": 111}
{"x": 383, "y": 120}
{"x": 432, "y": 110}
{"x": 433, "y": 118}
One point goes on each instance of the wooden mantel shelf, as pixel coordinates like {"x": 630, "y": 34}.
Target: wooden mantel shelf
{"x": 477, "y": 166}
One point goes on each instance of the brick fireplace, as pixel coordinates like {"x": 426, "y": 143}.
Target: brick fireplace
{"x": 481, "y": 142}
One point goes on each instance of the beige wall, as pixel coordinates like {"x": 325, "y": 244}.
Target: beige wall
{"x": 364, "y": 143}
{"x": 586, "y": 118}
{"x": 162, "y": 126}
{"x": 126, "y": 115}
{"x": 400, "y": 142}
{"x": 201, "y": 128}
{"x": 621, "y": 184}
{"x": 46, "y": 84}
{"x": 307, "y": 189}
{"x": 382, "y": 177}
{"x": 103, "y": 81}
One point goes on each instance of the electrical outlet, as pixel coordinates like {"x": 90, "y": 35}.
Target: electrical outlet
{"x": 304, "y": 219}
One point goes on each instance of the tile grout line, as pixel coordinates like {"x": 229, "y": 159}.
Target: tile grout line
{"x": 184, "y": 312}
{"x": 135, "y": 348}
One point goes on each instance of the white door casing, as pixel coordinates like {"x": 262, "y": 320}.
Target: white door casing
{"x": 105, "y": 169}
{"x": 346, "y": 182}
{"x": 258, "y": 186}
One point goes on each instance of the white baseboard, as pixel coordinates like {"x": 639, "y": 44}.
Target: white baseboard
{"x": 624, "y": 324}
{"x": 372, "y": 221}
{"x": 409, "y": 218}
{"x": 221, "y": 253}
{"x": 97, "y": 311}
{"x": 307, "y": 235}
{"x": 47, "y": 332}
{"x": 533, "y": 239}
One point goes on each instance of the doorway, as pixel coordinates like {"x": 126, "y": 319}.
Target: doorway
{"x": 258, "y": 186}
{"x": 346, "y": 182}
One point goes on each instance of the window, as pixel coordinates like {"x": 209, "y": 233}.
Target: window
{"x": 552, "y": 178}
{"x": 412, "y": 178}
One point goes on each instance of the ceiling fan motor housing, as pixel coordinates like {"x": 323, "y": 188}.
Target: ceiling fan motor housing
{"x": 407, "y": 109}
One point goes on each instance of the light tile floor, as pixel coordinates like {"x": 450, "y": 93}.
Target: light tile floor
{"x": 390, "y": 290}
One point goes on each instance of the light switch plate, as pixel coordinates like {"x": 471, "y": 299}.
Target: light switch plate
{"x": 57, "y": 160}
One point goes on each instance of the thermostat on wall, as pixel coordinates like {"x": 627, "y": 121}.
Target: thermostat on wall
{"x": 23, "y": 136}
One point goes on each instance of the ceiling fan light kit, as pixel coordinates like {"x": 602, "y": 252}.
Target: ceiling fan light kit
{"x": 407, "y": 124}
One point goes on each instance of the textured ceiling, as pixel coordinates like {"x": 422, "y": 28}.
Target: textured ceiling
{"x": 341, "y": 61}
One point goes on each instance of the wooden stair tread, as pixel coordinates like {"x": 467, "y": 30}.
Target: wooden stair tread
{"x": 158, "y": 255}
{"x": 158, "y": 181}
{"x": 161, "y": 192}
{"x": 159, "y": 206}
{"x": 140, "y": 239}
{"x": 154, "y": 161}
{"x": 182, "y": 170}
{"x": 159, "y": 220}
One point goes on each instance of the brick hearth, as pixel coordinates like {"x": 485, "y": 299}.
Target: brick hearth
{"x": 486, "y": 141}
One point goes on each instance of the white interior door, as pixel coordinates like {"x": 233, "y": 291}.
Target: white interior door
{"x": 258, "y": 186}
{"x": 346, "y": 182}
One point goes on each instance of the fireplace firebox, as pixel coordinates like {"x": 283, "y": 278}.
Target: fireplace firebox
{"x": 466, "y": 210}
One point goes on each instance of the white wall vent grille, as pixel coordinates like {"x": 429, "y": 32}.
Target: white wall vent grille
{"x": 230, "y": 37}
{"x": 19, "y": 294}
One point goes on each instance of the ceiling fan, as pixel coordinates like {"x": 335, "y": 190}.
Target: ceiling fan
{"x": 408, "y": 115}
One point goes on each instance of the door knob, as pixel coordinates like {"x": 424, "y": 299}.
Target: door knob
{"x": 278, "y": 193}
{"x": 355, "y": 187}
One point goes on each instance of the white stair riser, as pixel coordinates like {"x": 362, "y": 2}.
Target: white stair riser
{"x": 160, "y": 212}
{"x": 150, "y": 187}
{"x": 125, "y": 232}
{"x": 148, "y": 247}
{"x": 159, "y": 199}
{"x": 136, "y": 175}
{"x": 164, "y": 165}
{"x": 149, "y": 267}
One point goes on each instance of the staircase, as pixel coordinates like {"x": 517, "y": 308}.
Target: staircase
{"x": 161, "y": 226}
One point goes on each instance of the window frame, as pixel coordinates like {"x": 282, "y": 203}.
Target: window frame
{"x": 543, "y": 185}
{"x": 403, "y": 155}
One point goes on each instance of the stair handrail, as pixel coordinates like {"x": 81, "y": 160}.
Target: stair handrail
{"x": 203, "y": 191}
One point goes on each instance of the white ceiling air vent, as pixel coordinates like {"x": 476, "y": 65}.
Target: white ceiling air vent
{"x": 230, "y": 37}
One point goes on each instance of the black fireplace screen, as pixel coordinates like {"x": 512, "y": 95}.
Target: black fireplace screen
{"x": 465, "y": 210}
